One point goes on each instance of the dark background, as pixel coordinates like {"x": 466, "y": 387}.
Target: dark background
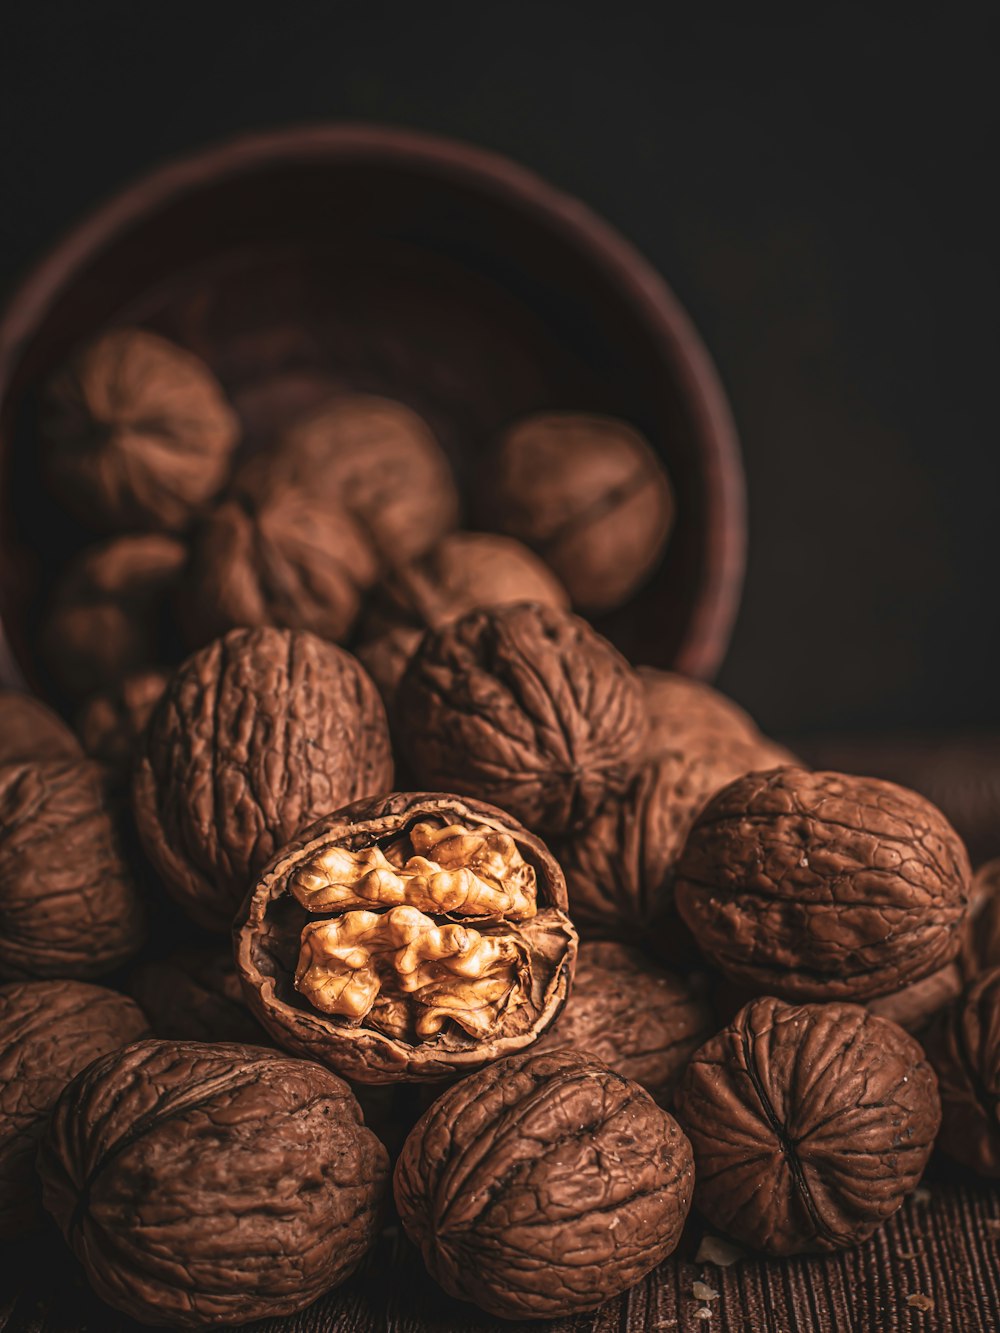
{"x": 819, "y": 193}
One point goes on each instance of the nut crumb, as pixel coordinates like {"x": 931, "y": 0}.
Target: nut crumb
{"x": 716, "y": 1250}
{"x": 921, "y": 1194}
{"x": 702, "y": 1292}
{"x": 992, "y": 1227}
{"x": 703, "y": 1313}
{"x": 920, "y": 1302}
{"x": 906, "y": 1254}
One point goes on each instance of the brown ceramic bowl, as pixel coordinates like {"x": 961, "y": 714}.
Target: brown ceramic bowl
{"x": 399, "y": 263}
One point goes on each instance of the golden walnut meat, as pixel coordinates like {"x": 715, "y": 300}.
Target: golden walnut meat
{"x": 211, "y": 1184}
{"x": 526, "y": 707}
{"x": 49, "y": 1031}
{"x": 68, "y": 907}
{"x": 643, "y": 1022}
{"x": 137, "y": 433}
{"x": 823, "y": 886}
{"x": 810, "y": 1124}
{"x": 408, "y": 937}
{"x": 30, "y": 731}
{"x": 964, "y": 1048}
{"x": 543, "y": 1185}
{"x": 256, "y": 735}
{"x": 112, "y": 725}
{"x": 589, "y": 495}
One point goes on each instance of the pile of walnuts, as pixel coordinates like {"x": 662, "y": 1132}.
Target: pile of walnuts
{"x": 636, "y": 957}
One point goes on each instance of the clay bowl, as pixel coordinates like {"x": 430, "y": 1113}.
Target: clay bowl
{"x": 397, "y": 263}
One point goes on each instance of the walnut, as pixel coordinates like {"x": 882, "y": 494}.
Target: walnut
{"x": 823, "y": 886}
{"x": 107, "y": 615}
{"x": 68, "y": 907}
{"x": 643, "y": 1022}
{"x": 211, "y": 1184}
{"x": 589, "y": 495}
{"x": 49, "y": 1031}
{"x": 256, "y": 735}
{"x": 915, "y": 1006}
{"x": 810, "y": 1124}
{"x": 685, "y": 714}
{"x": 543, "y": 1185}
{"x": 964, "y": 1048}
{"x": 408, "y": 937}
{"x": 379, "y": 460}
{"x": 195, "y": 995}
{"x": 137, "y": 433}
{"x": 29, "y": 730}
{"x": 981, "y": 928}
{"x": 524, "y": 706}
{"x": 112, "y": 726}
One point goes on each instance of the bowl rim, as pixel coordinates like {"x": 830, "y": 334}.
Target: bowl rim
{"x": 706, "y": 636}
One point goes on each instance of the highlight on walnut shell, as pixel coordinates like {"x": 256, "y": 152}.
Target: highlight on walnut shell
{"x": 810, "y": 1124}
{"x": 409, "y": 937}
{"x": 964, "y": 1048}
{"x": 543, "y": 1186}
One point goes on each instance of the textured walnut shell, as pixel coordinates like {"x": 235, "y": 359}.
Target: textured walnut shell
{"x": 68, "y": 907}
{"x": 916, "y": 1006}
{"x": 379, "y": 460}
{"x": 823, "y": 886}
{"x": 107, "y": 616}
{"x": 589, "y": 495}
{"x": 526, "y": 707}
{"x": 810, "y": 1124}
{"x": 49, "y": 1031}
{"x": 964, "y": 1047}
{"x": 112, "y": 725}
{"x": 30, "y": 731}
{"x": 195, "y": 995}
{"x": 268, "y": 928}
{"x": 137, "y": 433}
{"x": 256, "y": 736}
{"x": 543, "y": 1185}
{"x": 981, "y": 928}
{"x": 685, "y": 713}
{"x": 643, "y": 1022}
{"x": 211, "y": 1184}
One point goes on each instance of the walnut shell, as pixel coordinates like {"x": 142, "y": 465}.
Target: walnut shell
{"x": 543, "y": 1185}
{"x": 49, "y": 1031}
{"x": 964, "y": 1048}
{"x": 589, "y": 495}
{"x": 112, "y": 726}
{"x": 643, "y": 1022}
{"x": 256, "y": 735}
{"x": 823, "y": 886}
{"x": 195, "y": 995}
{"x": 211, "y": 1184}
{"x": 915, "y": 1007}
{"x": 685, "y": 713}
{"x": 137, "y": 433}
{"x": 526, "y": 707}
{"x": 981, "y": 928}
{"x": 269, "y": 929}
{"x": 68, "y": 907}
{"x": 810, "y": 1124}
{"x": 30, "y": 731}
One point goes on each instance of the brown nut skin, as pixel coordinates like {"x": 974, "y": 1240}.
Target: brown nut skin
{"x": 68, "y": 907}
{"x": 643, "y": 1022}
{"x": 823, "y": 886}
{"x": 49, "y": 1031}
{"x": 137, "y": 433}
{"x": 256, "y": 735}
{"x": 30, "y": 731}
{"x": 964, "y": 1048}
{"x": 195, "y": 995}
{"x": 810, "y": 1124}
{"x": 543, "y": 1185}
{"x": 107, "y": 615}
{"x": 268, "y": 927}
{"x": 112, "y": 725}
{"x": 981, "y": 928}
{"x": 526, "y": 707}
{"x": 589, "y": 495}
{"x": 208, "y": 1184}
{"x": 379, "y": 460}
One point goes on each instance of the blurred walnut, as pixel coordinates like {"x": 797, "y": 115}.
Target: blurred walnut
{"x": 915, "y": 1007}
{"x": 524, "y": 706}
{"x": 107, "y": 613}
{"x": 137, "y": 433}
{"x": 113, "y": 725}
{"x": 685, "y": 712}
{"x": 981, "y": 928}
{"x": 29, "y": 731}
{"x": 810, "y": 1124}
{"x": 964, "y": 1048}
{"x": 195, "y": 995}
{"x": 589, "y": 495}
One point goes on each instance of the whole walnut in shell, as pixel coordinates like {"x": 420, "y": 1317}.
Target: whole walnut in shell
{"x": 543, "y": 1185}
{"x": 823, "y": 886}
{"x": 137, "y": 433}
{"x": 810, "y": 1124}
{"x": 68, "y": 907}
{"x": 408, "y": 937}
{"x": 685, "y": 713}
{"x": 195, "y": 995}
{"x": 257, "y": 735}
{"x": 643, "y": 1022}
{"x": 964, "y": 1048}
{"x": 981, "y": 928}
{"x": 915, "y": 1007}
{"x": 589, "y": 495}
{"x": 526, "y": 707}
{"x": 112, "y": 725}
{"x": 29, "y": 731}
{"x": 49, "y": 1031}
{"x": 107, "y": 615}
{"x": 211, "y": 1184}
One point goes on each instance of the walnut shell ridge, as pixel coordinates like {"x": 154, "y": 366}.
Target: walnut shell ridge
{"x": 964, "y": 1048}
